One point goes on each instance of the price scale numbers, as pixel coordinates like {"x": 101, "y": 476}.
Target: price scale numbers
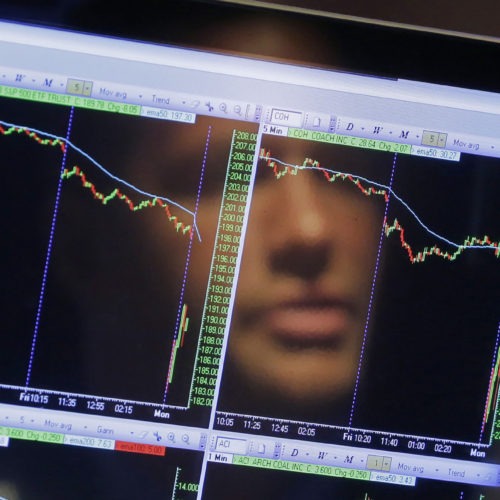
{"x": 227, "y": 244}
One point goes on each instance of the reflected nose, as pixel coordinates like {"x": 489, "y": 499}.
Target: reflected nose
{"x": 299, "y": 245}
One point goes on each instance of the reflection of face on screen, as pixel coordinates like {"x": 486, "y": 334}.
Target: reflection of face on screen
{"x": 304, "y": 286}
{"x": 305, "y": 280}
{"x": 303, "y": 289}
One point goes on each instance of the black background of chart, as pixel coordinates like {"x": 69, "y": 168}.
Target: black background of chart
{"x": 436, "y": 322}
{"x": 58, "y": 471}
{"x": 25, "y": 228}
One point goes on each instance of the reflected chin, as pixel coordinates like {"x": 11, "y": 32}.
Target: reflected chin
{"x": 315, "y": 385}
{"x": 285, "y": 374}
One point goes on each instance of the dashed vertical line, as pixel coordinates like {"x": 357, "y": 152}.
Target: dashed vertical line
{"x": 492, "y": 382}
{"x": 372, "y": 292}
{"x": 186, "y": 267}
{"x": 55, "y": 212}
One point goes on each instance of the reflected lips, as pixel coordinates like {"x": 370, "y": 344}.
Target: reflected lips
{"x": 310, "y": 323}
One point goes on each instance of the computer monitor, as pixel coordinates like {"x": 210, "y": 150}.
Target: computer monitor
{"x": 248, "y": 253}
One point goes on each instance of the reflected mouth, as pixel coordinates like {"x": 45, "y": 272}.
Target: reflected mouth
{"x": 316, "y": 324}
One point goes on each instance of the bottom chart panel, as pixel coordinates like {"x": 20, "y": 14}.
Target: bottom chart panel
{"x": 286, "y": 482}
{"x": 44, "y": 471}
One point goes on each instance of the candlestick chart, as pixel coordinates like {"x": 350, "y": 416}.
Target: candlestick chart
{"x": 369, "y": 188}
{"x": 45, "y": 139}
{"x": 137, "y": 200}
{"x": 435, "y": 276}
{"x": 119, "y": 256}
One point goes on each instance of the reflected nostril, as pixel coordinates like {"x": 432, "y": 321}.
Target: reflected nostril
{"x": 300, "y": 259}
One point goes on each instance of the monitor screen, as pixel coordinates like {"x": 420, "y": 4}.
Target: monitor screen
{"x": 238, "y": 263}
